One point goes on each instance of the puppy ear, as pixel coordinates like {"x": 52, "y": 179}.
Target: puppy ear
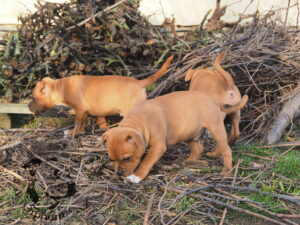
{"x": 45, "y": 89}
{"x": 129, "y": 138}
{"x": 104, "y": 138}
{"x": 189, "y": 74}
{"x": 47, "y": 79}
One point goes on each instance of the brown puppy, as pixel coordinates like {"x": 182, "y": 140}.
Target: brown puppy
{"x": 165, "y": 121}
{"x": 95, "y": 95}
{"x": 220, "y": 86}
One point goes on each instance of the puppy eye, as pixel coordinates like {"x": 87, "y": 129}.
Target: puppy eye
{"x": 127, "y": 159}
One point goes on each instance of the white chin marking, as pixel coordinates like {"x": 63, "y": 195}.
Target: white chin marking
{"x": 134, "y": 179}
{"x": 66, "y": 132}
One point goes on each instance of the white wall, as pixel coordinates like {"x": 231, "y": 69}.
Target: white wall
{"x": 191, "y": 12}
{"x": 186, "y": 12}
{"x": 10, "y": 9}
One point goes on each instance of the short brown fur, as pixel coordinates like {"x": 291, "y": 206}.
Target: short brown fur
{"x": 165, "y": 121}
{"x": 95, "y": 95}
{"x": 219, "y": 85}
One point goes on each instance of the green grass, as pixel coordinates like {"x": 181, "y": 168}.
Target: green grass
{"x": 289, "y": 165}
{"x": 126, "y": 212}
{"x": 286, "y": 165}
{"x": 185, "y": 203}
{"x": 15, "y": 199}
{"x": 269, "y": 202}
{"x": 151, "y": 87}
{"x": 255, "y": 151}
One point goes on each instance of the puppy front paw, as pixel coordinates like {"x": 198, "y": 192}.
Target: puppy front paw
{"x": 66, "y": 133}
{"x": 133, "y": 179}
{"x": 70, "y": 133}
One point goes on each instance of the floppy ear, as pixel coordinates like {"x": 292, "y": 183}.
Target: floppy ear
{"x": 129, "y": 138}
{"x": 47, "y": 79}
{"x": 104, "y": 138}
{"x": 189, "y": 74}
{"x": 46, "y": 85}
{"x": 45, "y": 88}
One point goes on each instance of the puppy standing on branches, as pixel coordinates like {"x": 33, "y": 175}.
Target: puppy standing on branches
{"x": 219, "y": 85}
{"x": 165, "y": 121}
{"x": 95, "y": 95}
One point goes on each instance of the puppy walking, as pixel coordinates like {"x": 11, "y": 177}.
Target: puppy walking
{"x": 219, "y": 85}
{"x": 165, "y": 121}
{"x": 95, "y": 95}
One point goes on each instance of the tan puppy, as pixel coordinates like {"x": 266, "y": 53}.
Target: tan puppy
{"x": 95, "y": 95}
{"x": 165, "y": 121}
{"x": 220, "y": 86}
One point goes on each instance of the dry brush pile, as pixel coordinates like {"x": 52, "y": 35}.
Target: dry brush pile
{"x": 48, "y": 179}
{"x": 263, "y": 58}
{"x": 96, "y": 37}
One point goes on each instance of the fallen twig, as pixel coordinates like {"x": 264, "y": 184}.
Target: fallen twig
{"x": 150, "y": 202}
{"x": 17, "y": 176}
{"x": 217, "y": 202}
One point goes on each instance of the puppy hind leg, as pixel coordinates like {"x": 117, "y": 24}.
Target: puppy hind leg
{"x": 196, "y": 150}
{"x": 101, "y": 122}
{"x": 235, "y": 130}
{"x": 219, "y": 134}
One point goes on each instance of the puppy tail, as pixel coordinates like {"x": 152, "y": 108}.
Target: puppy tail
{"x": 237, "y": 107}
{"x": 227, "y": 77}
{"x": 154, "y": 77}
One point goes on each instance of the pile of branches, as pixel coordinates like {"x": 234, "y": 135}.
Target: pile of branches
{"x": 263, "y": 58}
{"x": 61, "y": 181}
{"x": 93, "y": 37}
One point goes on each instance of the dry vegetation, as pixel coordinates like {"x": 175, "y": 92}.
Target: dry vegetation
{"x": 46, "y": 179}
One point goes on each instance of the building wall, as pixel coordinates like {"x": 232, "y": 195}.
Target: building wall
{"x": 192, "y": 12}
{"x": 186, "y": 12}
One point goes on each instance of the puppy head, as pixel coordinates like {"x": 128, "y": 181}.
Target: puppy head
{"x": 125, "y": 147}
{"x": 41, "y": 96}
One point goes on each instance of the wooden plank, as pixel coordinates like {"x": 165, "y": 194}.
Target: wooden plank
{"x": 15, "y": 108}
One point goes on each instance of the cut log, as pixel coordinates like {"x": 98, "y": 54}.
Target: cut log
{"x": 284, "y": 118}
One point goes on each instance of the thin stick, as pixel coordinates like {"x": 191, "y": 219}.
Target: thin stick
{"x": 240, "y": 198}
{"x": 149, "y": 206}
{"x": 288, "y": 215}
{"x": 10, "y": 145}
{"x": 79, "y": 24}
{"x": 233, "y": 182}
{"x": 283, "y": 144}
{"x": 217, "y": 202}
{"x": 256, "y": 156}
{"x": 12, "y": 173}
{"x": 95, "y": 15}
{"x": 50, "y": 164}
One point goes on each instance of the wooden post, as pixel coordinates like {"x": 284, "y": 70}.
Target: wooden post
{"x": 5, "y": 121}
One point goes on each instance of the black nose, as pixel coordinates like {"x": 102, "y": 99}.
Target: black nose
{"x": 120, "y": 172}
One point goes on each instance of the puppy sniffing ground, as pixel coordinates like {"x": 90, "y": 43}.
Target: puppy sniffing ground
{"x": 95, "y": 95}
{"x": 165, "y": 121}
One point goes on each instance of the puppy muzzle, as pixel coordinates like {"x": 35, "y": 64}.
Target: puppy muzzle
{"x": 120, "y": 172}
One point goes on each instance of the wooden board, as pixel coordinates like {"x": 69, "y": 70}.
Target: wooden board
{"x": 14, "y": 108}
